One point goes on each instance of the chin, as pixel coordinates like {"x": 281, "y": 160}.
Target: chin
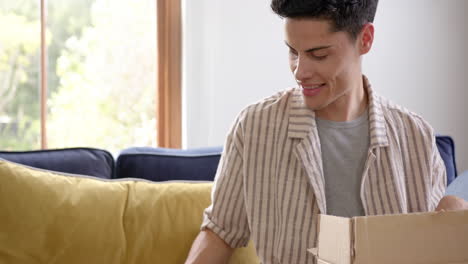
{"x": 314, "y": 106}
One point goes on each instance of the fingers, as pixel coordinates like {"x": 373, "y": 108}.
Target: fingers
{"x": 452, "y": 203}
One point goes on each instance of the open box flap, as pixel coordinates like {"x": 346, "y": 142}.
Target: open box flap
{"x": 334, "y": 243}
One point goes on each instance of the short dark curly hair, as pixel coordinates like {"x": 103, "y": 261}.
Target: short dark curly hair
{"x": 345, "y": 15}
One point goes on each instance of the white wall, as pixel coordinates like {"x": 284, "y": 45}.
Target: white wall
{"x": 234, "y": 55}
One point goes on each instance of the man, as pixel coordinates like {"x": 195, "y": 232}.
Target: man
{"x": 329, "y": 146}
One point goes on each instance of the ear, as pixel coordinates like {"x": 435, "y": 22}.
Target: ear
{"x": 366, "y": 38}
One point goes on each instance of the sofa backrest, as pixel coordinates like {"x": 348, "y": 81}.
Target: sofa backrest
{"x": 446, "y": 148}
{"x": 85, "y": 161}
{"x": 162, "y": 164}
{"x": 158, "y": 164}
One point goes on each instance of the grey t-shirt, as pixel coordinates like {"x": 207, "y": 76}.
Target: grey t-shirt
{"x": 344, "y": 153}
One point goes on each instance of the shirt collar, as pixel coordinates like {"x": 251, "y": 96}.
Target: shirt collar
{"x": 302, "y": 119}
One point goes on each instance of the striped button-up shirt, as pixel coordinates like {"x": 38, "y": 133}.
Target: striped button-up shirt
{"x": 269, "y": 186}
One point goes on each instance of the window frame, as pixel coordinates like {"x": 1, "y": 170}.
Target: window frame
{"x": 169, "y": 94}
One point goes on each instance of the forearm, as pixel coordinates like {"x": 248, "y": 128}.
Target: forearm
{"x": 209, "y": 248}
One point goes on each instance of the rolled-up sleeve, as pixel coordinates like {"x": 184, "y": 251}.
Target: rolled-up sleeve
{"x": 226, "y": 216}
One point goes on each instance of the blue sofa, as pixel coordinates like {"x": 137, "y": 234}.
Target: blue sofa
{"x": 84, "y": 161}
{"x": 161, "y": 164}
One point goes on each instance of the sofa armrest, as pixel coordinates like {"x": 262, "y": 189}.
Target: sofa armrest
{"x": 459, "y": 187}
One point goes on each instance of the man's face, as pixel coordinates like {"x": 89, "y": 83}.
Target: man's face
{"x": 325, "y": 64}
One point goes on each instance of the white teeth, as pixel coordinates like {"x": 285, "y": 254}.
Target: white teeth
{"x": 312, "y": 87}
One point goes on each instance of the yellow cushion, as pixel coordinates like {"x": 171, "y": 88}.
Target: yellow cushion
{"x": 47, "y": 217}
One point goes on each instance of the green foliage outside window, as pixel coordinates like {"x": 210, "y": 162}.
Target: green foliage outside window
{"x": 102, "y": 67}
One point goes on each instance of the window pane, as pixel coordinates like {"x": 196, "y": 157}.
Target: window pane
{"x": 102, "y": 73}
{"x": 19, "y": 75}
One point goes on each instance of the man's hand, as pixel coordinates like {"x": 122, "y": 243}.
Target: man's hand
{"x": 452, "y": 203}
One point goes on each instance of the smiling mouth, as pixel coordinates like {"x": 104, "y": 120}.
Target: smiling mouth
{"x": 311, "y": 87}
{"x": 312, "y": 90}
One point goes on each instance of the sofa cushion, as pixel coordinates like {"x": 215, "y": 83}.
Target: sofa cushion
{"x": 447, "y": 152}
{"x": 48, "y": 217}
{"x": 88, "y": 161}
{"x": 162, "y": 164}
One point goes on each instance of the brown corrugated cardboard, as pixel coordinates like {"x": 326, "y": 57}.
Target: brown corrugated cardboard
{"x": 425, "y": 238}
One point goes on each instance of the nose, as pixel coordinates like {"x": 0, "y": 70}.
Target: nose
{"x": 303, "y": 69}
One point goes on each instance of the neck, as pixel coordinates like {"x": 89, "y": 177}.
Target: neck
{"x": 348, "y": 107}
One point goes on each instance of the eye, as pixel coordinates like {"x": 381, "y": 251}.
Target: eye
{"x": 320, "y": 57}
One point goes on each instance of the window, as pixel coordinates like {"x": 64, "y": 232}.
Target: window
{"x": 100, "y": 70}
{"x": 19, "y": 75}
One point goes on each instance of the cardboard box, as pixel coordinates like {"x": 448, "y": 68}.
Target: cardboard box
{"x": 426, "y": 238}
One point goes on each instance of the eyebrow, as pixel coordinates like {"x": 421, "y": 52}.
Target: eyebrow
{"x": 310, "y": 50}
